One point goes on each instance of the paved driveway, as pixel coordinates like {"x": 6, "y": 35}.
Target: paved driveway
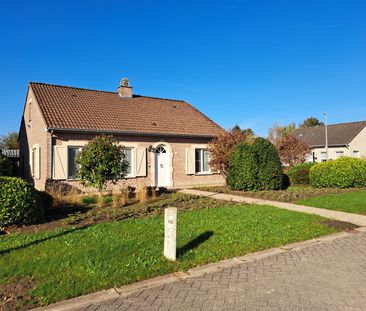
{"x": 324, "y": 276}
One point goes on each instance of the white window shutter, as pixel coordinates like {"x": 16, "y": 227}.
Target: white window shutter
{"x": 140, "y": 162}
{"x": 60, "y": 162}
{"x": 190, "y": 161}
{"x": 37, "y": 163}
{"x": 31, "y": 160}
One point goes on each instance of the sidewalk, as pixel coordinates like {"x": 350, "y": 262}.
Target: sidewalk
{"x": 358, "y": 220}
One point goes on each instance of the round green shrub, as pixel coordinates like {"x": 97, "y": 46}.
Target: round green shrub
{"x": 299, "y": 173}
{"x": 19, "y": 203}
{"x": 255, "y": 166}
{"x": 341, "y": 173}
{"x": 243, "y": 168}
{"x": 270, "y": 173}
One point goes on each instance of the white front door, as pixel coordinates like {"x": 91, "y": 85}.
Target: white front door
{"x": 162, "y": 166}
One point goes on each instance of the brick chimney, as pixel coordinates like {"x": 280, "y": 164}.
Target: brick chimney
{"x": 125, "y": 90}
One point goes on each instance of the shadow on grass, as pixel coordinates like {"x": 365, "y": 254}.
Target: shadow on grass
{"x": 203, "y": 237}
{"x": 66, "y": 210}
{"x": 6, "y": 251}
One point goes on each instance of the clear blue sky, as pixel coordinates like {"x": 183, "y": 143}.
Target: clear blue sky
{"x": 246, "y": 62}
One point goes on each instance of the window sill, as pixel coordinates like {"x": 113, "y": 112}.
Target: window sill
{"x": 203, "y": 174}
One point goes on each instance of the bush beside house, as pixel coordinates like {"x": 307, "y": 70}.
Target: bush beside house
{"x": 221, "y": 147}
{"x": 341, "y": 173}
{"x": 299, "y": 173}
{"x": 19, "y": 202}
{"x": 100, "y": 162}
{"x": 255, "y": 166}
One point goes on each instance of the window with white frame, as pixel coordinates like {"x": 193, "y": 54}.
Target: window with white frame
{"x": 128, "y": 158}
{"x": 72, "y": 153}
{"x": 323, "y": 156}
{"x": 356, "y": 153}
{"x": 202, "y": 158}
{"x": 339, "y": 154}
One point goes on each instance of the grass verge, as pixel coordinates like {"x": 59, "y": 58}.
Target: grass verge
{"x": 68, "y": 262}
{"x": 352, "y": 202}
{"x": 291, "y": 194}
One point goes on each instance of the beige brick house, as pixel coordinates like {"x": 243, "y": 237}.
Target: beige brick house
{"x": 165, "y": 140}
{"x": 344, "y": 140}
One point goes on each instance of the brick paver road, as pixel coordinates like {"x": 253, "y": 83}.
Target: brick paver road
{"x": 325, "y": 276}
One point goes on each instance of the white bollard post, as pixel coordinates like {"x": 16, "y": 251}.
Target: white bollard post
{"x": 170, "y": 233}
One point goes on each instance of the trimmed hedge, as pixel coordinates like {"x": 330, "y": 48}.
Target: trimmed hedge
{"x": 19, "y": 202}
{"x": 341, "y": 173}
{"x": 299, "y": 173}
{"x": 255, "y": 166}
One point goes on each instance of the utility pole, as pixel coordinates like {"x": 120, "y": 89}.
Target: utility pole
{"x": 326, "y": 134}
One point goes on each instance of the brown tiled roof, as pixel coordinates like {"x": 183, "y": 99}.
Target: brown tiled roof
{"x": 338, "y": 134}
{"x": 73, "y": 108}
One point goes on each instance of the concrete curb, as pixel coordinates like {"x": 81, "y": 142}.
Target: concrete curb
{"x": 126, "y": 290}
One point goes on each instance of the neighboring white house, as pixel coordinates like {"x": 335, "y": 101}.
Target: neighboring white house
{"x": 344, "y": 140}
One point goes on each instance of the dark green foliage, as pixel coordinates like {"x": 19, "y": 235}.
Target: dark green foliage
{"x": 6, "y": 167}
{"x": 341, "y": 173}
{"x": 19, "y": 203}
{"x": 270, "y": 172}
{"x": 309, "y": 122}
{"x": 45, "y": 199}
{"x": 101, "y": 161}
{"x": 243, "y": 168}
{"x": 108, "y": 199}
{"x": 299, "y": 173}
{"x": 285, "y": 181}
{"x": 255, "y": 166}
{"x": 89, "y": 200}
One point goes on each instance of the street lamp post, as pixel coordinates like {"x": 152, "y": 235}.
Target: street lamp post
{"x": 326, "y": 134}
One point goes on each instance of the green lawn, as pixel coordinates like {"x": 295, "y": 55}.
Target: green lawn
{"x": 352, "y": 202}
{"x": 69, "y": 262}
{"x": 291, "y": 194}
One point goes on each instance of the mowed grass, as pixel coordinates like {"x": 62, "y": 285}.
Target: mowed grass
{"x": 291, "y": 194}
{"x": 352, "y": 202}
{"x": 65, "y": 263}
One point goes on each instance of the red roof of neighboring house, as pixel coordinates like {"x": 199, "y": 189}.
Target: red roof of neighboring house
{"x": 71, "y": 108}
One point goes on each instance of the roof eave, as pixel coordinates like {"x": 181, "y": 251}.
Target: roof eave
{"x": 331, "y": 145}
{"x": 109, "y": 132}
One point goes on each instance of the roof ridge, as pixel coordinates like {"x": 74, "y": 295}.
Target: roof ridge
{"x": 334, "y": 124}
{"x": 71, "y": 87}
{"x": 343, "y": 123}
{"x": 94, "y": 90}
{"x": 163, "y": 98}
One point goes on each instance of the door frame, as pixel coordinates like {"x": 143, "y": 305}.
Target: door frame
{"x": 153, "y": 160}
